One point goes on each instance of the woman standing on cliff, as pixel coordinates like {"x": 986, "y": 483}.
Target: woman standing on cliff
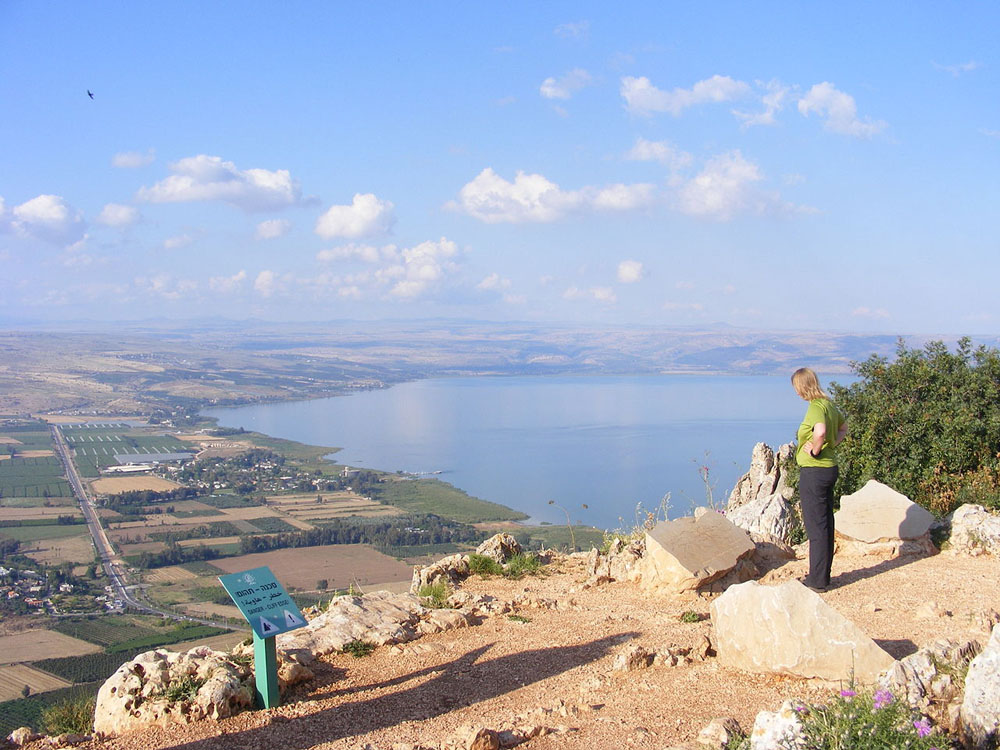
{"x": 822, "y": 428}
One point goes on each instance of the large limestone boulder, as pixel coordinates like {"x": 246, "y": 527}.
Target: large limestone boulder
{"x": 877, "y": 513}
{"x": 499, "y": 548}
{"x": 160, "y": 688}
{"x": 974, "y": 531}
{"x": 766, "y": 477}
{"x": 766, "y": 519}
{"x": 377, "y": 618}
{"x": 452, "y": 570}
{"x": 689, "y": 553}
{"x": 789, "y": 629}
{"x": 980, "y": 714}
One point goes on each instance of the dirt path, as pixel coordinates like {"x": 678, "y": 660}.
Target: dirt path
{"x": 556, "y": 669}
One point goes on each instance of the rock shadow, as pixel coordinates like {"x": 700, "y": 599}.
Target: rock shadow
{"x": 897, "y": 649}
{"x": 860, "y": 574}
{"x": 462, "y": 682}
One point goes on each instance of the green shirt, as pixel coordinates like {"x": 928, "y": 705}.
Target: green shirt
{"x": 820, "y": 410}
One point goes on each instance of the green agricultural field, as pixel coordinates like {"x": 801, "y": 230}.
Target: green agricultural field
{"x": 105, "y": 630}
{"x": 34, "y": 439}
{"x": 271, "y": 525}
{"x": 36, "y": 533}
{"x": 33, "y": 477}
{"x": 441, "y": 499}
{"x": 28, "y": 711}
{"x": 95, "y": 448}
{"x": 225, "y": 501}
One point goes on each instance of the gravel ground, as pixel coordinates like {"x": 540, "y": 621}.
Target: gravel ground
{"x": 555, "y": 671}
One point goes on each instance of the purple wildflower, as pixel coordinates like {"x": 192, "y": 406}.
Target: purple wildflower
{"x": 922, "y": 727}
{"x": 882, "y": 698}
{"x": 847, "y": 693}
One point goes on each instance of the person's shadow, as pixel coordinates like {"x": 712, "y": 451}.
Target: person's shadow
{"x": 459, "y": 683}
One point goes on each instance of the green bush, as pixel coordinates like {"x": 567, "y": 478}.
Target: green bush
{"x": 521, "y": 565}
{"x": 73, "y": 716}
{"x": 484, "y": 566}
{"x": 690, "y": 616}
{"x": 358, "y": 649}
{"x": 183, "y": 690}
{"x": 864, "y": 720}
{"x": 435, "y": 595}
{"x": 927, "y": 424}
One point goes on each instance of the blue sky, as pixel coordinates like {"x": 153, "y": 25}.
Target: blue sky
{"x": 777, "y": 165}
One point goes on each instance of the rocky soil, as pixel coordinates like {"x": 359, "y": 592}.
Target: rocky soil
{"x": 550, "y": 674}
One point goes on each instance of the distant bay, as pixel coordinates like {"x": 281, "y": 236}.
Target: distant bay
{"x": 607, "y": 442}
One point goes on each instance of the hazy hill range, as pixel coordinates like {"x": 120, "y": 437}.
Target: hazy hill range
{"x": 139, "y": 366}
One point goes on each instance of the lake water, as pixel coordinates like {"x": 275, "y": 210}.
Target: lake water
{"x": 605, "y": 442}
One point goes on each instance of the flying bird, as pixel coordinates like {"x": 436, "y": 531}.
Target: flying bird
{"x": 90, "y": 93}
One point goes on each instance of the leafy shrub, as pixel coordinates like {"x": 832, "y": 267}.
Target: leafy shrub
{"x": 183, "y": 690}
{"x": 72, "y": 716}
{"x": 927, "y": 424}
{"x": 866, "y": 720}
{"x": 518, "y": 618}
{"x": 484, "y": 566}
{"x": 691, "y": 616}
{"x": 521, "y": 565}
{"x": 435, "y": 595}
{"x": 358, "y": 649}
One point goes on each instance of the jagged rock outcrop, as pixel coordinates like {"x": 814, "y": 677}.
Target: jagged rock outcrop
{"x": 980, "y": 712}
{"x": 452, "y": 570}
{"x": 619, "y": 563}
{"x": 499, "y": 548}
{"x": 930, "y": 680}
{"x": 766, "y": 476}
{"x": 160, "y": 688}
{"x": 378, "y": 618}
{"x": 768, "y": 519}
{"x": 789, "y": 629}
{"x": 974, "y": 531}
{"x": 690, "y": 553}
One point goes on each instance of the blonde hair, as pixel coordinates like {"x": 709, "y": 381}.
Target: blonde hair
{"x": 806, "y": 384}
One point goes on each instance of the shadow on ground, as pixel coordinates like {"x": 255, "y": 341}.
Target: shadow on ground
{"x": 461, "y": 682}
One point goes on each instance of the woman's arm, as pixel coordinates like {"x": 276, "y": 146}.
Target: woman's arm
{"x": 818, "y": 438}
{"x": 842, "y": 432}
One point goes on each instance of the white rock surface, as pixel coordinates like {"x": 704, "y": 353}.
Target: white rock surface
{"x": 499, "y": 548}
{"x": 452, "y": 570}
{"x": 778, "y": 730}
{"x": 689, "y": 553}
{"x": 136, "y": 695}
{"x": 789, "y": 629}
{"x": 877, "y": 512}
{"x": 767, "y": 519}
{"x": 765, "y": 477}
{"x": 974, "y": 531}
{"x": 980, "y": 714}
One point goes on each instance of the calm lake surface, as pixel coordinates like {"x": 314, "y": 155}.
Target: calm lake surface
{"x": 605, "y": 442}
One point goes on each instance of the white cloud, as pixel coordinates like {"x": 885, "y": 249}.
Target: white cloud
{"x": 840, "y": 111}
{"x": 876, "y": 313}
{"x": 643, "y": 98}
{"x": 421, "y": 267}
{"x": 166, "y": 286}
{"x": 773, "y": 101}
{"x": 266, "y": 283}
{"x": 117, "y": 215}
{"x": 365, "y": 217}
{"x": 573, "y": 30}
{"x": 630, "y": 271}
{"x": 133, "y": 159}
{"x": 48, "y": 218}
{"x": 177, "y": 241}
{"x": 209, "y": 178}
{"x": 272, "y": 229}
{"x": 990, "y": 133}
{"x": 533, "y": 198}
{"x": 727, "y": 186}
{"x": 957, "y": 70}
{"x": 565, "y": 86}
{"x": 493, "y": 282}
{"x": 663, "y": 152}
{"x": 602, "y": 294}
{"x": 363, "y": 253}
{"x": 683, "y": 306}
{"x": 227, "y": 284}
{"x": 683, "y": 285}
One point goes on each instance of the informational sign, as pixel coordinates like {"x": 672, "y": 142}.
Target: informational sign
{"x": 263, "y": 601}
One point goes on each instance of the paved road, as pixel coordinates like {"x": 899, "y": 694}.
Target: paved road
{"x": 112, "y": 563}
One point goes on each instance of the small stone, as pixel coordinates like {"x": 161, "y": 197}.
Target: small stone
{"x": 930, "y": 611}
{"x": 633, "y": 658}
{"x": 482, "y": 739}
{"x": 22, "y": 736}
{"x": 720, "y": 732}
{"x": 701, "y": 649}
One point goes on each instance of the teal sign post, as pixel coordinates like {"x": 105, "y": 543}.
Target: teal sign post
{"x": 270, "y": 611}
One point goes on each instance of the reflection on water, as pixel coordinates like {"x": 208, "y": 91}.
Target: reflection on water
{"x": 605, "y": 442}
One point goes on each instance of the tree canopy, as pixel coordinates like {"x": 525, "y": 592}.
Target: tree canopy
{"x": 927, "y": 424}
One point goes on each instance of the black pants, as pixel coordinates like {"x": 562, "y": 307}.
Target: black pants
{"x": 816, "y": 493}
